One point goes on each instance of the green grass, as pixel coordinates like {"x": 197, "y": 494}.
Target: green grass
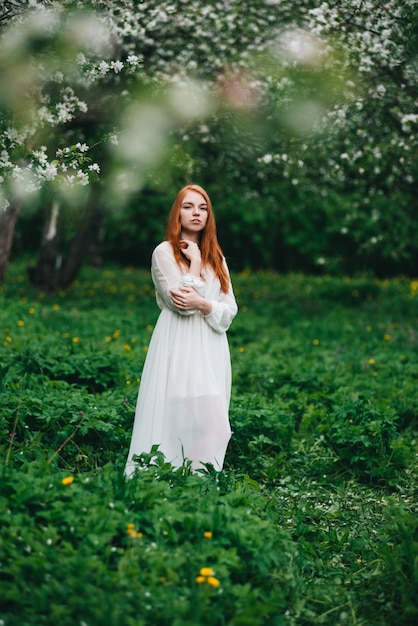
{"x": 312, "y": 521}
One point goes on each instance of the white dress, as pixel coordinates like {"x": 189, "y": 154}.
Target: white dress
{"x": 184, "y": 394}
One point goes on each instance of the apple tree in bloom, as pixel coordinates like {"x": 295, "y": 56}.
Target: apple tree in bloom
{"x": 103, "y": 89}
{"x": 279, "y": 101}
{"x": 364, "y": 167}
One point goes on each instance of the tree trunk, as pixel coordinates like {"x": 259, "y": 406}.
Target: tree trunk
{"x": 44, "y": 275}
{"x": 53, "y": 271}
{"x": 80, "y": 246}
{"x": 8, "y": 219}
{"x": 94, "y": 255}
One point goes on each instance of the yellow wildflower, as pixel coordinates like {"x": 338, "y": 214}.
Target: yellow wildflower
{"x": 207, "y": 534}
{"x": 207, "y": 571}
{"x": 315, "y": 342}
{"x": 130, "y": 529}
{"x": 68, "y": 480}
{"x": 31, "y": 310}
{"x": 371, "y": 361}
{"x": 21, "y": 323}
{"x": 76, "y": 339}
{"x": 207, "y": 575}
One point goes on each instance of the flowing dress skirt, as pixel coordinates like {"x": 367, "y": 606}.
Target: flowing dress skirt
{"x": 184, "y": 394}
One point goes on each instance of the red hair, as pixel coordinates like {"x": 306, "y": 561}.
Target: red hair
{"x": 210, "y": 249}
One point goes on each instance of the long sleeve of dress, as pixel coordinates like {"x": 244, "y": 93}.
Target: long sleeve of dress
{"x": 223, "y": 312}
{"x": 167, "y": 275}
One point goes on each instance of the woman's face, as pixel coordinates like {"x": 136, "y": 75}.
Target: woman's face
{"x": 193, "y": 214}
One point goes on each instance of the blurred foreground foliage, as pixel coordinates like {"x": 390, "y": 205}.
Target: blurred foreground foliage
{"x": 313, "y": 519}
{"x": 299, "y": 119}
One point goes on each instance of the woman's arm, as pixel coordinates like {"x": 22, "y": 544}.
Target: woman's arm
{"x": 223, "y": 311}
{"x": 169, "y": 279}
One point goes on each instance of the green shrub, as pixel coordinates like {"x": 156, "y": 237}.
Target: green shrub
{"x": 364, "y": 437}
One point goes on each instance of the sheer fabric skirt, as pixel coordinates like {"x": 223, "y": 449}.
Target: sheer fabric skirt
{"x": 184, "y": 395}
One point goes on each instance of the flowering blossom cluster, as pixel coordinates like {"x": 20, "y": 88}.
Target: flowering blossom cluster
{"x": 112, "y": 46}
{"x": 372, "y": 131}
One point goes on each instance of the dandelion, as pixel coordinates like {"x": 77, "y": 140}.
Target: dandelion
{"x": 75, "y": 340}
{"x": 207, "y": 534}
{"x": 68, "y": 480}
{"x": 31, "y": 310}
{"x": 414, "y": 287}
{"x": 315, "y": 342}
{"x": 207, "y": 571}
{"x": 20, "y": 323}
{"x": 207, "y": 575}
{"x": 368, "y": 328}
{"x": 130, "y": 529}
{"x": 116, "y": 334}
{"x": 127, "y": 347}
{"x": 371, "y": 361}
{"x": 108, "y": 339}
{"x": 56, "y": 307}
{"x": 242, "y": 349}
{"x": 387, "y": 337}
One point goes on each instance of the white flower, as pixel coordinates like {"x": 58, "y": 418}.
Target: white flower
{"x": 133, "y": 60}
{"x": 83, "y": 178}
{"x": 116, "y": 66}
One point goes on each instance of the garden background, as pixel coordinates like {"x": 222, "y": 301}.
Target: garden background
{"x": 300, "y": 120}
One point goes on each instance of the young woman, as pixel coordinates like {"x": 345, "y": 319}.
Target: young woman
{"x": 183, "y": 400}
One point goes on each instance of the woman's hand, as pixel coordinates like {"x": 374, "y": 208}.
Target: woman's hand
{"x": 186, "y": 299}
{"x": 191, "y": 250}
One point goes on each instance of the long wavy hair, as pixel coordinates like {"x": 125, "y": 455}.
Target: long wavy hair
{"x": 210, "y": 249}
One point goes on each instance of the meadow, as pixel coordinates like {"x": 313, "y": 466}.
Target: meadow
{"x": 313, "y": 519}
